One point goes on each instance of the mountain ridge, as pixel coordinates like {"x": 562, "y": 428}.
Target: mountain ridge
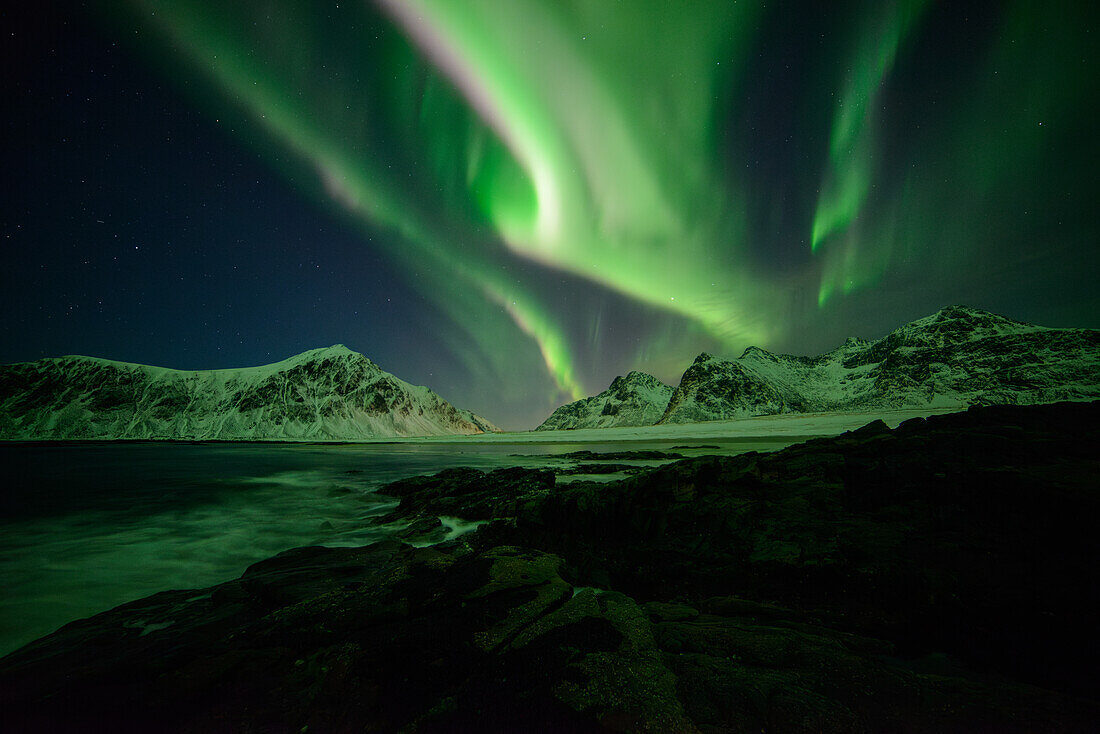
{"x": 328, "y": 393}
{"x": 955, "y": 357}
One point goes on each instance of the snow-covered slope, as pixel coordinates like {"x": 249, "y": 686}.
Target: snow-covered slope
{"x": 956, "y": 357}
{"x": 323, "y": 394}
{"x": 635, "y": 400}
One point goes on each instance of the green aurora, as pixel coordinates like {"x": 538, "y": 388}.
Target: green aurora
{"x": 722, "y": 173}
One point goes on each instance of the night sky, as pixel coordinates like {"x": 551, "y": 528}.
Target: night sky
{"x": 514, "y": 201}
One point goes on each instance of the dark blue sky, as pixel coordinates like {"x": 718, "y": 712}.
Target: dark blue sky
{"x": 147, "y": 216}
{"x": 136, "y": 227}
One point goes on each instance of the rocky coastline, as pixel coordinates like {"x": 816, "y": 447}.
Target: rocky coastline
{"x": 934, "y": 577}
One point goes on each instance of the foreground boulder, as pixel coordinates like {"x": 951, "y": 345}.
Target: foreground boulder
{"x": 935, "y": 577}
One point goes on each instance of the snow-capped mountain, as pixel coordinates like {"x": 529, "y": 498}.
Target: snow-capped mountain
{"x": 954, "y": 358}
{"x": 323, "y": 394}
{"x": 635, "y": 400}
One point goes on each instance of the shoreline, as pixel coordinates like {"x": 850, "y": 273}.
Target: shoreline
{"x": 793, "y": 426}
{"x": 919, "y": 578}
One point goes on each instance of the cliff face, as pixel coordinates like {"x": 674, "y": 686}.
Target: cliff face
{"x": 323, "y": 394}
{"x": 956, "y": 357}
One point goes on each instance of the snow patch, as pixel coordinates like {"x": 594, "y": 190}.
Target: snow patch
{"x": 457, "y": 527}
{"x": 146, "y": 627}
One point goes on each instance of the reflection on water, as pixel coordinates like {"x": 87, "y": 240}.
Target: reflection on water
{"x": 84, "y": 528}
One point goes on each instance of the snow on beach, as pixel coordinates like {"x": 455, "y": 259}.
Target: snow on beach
{"x": 793, "y": 425}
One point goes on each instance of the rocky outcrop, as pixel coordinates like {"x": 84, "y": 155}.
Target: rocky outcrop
{"x": 323, "y": 394}
{"x": 934, "y": 577}
{"x": 382, "y": 638}
{"x": 964, "y": 534}
{"x": 390, "y": 637}
{"x": 637, "y": 399}
{"x": 956, "y": 357}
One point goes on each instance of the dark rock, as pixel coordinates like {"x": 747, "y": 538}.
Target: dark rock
{"x": 640, "y": 455}
{"x": 380, "y": 638}
{"x": 424, "y": 529}
{"x": 590, "y": 468}
{"x": 467, "y": 493}
{"x": 935, "y": 577}
{"x": 968, "y": 533}
{"x": 873, "y": 428}
{"x": 388, "y": 637}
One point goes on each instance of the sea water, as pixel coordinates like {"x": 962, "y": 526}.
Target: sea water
{"x": 85, "y": 527}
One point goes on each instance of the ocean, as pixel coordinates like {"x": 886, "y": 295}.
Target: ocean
{"x": 85, "y": 527}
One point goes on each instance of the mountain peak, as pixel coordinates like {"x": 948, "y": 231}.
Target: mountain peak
{"x": 959, "y": 320}
{"x": 325, "y": 393}
{"x": 620, "y": 381}
{"x": 756, "y": 352}
{"x": 634, "y": 377}
{"x": 961, "y": 309}
{"x": 959, "y": 312}
{"x": 336, "y": 350}
{"x": 957, "y": 356}
{"x": 321, "y": 354}
{"x": 636, "y": 399}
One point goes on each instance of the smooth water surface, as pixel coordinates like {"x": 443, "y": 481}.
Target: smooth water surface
{"x": 86, "y": 527}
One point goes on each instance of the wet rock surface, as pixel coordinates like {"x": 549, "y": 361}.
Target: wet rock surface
{"x": 935, "y": 577}
{"x": 966, "y": 533}
{"x": 468, "y": 493}
{"x": 620, "y": 455}
{"x": 601, "y": 468}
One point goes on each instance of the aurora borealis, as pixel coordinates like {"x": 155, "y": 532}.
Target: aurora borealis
{"x": 513, "y": 201}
